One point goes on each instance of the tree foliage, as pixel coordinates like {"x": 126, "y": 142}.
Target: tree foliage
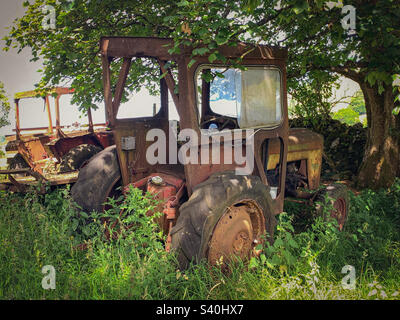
{"x": 311, "y": 96}
{"x": 320, "y": 48}
{"x": 352, "y": 112}
{"x": 347, "y": 115}
{"x": 357, "y": 103}
{"x": 4, "y": 107}
{"x": 312, "y": 32}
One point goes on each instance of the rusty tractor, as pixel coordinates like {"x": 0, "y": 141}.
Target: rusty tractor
{"x": 52, "y": 154}
{"x": 210, "y": 211}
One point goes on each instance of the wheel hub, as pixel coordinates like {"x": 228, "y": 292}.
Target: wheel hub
{"x": 240, "y": 241}
{"x": 235, "y": 234}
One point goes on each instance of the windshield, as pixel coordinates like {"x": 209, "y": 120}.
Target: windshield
{"x": 253, "y": 96}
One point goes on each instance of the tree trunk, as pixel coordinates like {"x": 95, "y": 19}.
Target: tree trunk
{"x": 380, "y": 164}
{"x": 397, "y": 105}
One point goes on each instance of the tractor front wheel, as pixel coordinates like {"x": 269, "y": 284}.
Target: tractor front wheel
{"x": 226, "y": 216}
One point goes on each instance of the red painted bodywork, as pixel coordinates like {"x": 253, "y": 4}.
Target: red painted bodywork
{"x": 167, "y": 195}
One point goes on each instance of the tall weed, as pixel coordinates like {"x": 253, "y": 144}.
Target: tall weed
{"x": 128, "y": 261}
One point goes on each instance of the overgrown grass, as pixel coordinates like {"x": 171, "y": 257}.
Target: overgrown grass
{"x": 305, "y": 261}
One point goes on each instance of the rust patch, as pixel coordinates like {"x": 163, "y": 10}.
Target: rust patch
{"x": 236, "y": 234}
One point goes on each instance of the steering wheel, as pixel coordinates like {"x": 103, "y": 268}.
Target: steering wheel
{"x": 220, "y": 125}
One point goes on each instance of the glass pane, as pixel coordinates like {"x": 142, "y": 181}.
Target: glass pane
{"x": 252, "y": 96}
{"x": 223, "y": 98}
{"x": 260, "y": 103}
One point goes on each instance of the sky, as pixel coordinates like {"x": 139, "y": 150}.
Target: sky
{"x": 16, "y": 72}
{"x": 19, "y": 74}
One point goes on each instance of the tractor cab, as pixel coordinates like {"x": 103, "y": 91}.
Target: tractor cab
{"x": 226, "y": 103}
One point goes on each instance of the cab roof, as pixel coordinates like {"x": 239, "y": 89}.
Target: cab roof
{"x": 129, "y": 47}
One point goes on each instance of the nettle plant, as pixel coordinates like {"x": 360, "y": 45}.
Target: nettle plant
{"x": 126, "y": 219}
{"x": 294, "y": 251}
{"x": 133, "y": 217}
{"x": 283, "y": 254}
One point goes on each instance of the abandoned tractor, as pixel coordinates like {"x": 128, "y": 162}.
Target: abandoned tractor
{"x": 52, "y": 154}
{"x": 215, "y": 204}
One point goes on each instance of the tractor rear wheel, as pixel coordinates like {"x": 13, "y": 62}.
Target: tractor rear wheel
{"x": 338, "y": 199}
{"x": 76, "y": 157}
{"x": 97, "y": 181}
{"x": 226, "y": 216}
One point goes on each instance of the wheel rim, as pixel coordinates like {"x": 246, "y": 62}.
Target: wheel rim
{"x": 236, "y": 234}
{"x": 340, "y": 212}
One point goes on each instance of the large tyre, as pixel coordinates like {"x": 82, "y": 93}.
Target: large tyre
{"x": 338, "y": 198}
{"x": 75, "y": 157}
{"x": 226, "y": 215}
{"x": 97, "y": 181}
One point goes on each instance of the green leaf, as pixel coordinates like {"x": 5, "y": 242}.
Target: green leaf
{"x": 253, "y": 263}
{"x": 212, "y": 57}
{"x": 84, "y": 214}
{"x": 300, "y": 7}
{"x": 222, "y": 38}
{"x": 275, "y": 260}
{"x": 191, "y": 63}
{"x": 293, "y": 243}
{"x": 200, "y": 51}
{"x": 278, "y": 243}
{"x": 289, "y": 257}
{"x": 75, "y": 224}
{"x": 183, "y": 3}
